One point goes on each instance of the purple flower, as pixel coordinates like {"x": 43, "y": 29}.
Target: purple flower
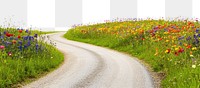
{"x": 1, "y": 37}
{"x": 36, "y": 47}
{"x": 180, "y": 38}
{"x": 4, "y": 32}
{"x": 188, "y": 38}
{"x": 20, "y": 42}
{"x": 36, "y": 35}
{"x": 195, "y": 36}
{"x": 29, "y": 43}
{"x": 197, "y": 30}
{"x": 25, "y": 46}
{"x": 25, "y": 37}
{"x": 27, "y": 31}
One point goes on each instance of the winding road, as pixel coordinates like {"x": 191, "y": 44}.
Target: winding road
{"x": 89, "y": 66}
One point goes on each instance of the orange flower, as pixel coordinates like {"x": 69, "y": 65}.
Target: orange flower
{"x": 14, "y": 41}
{"x": 188, "y": 46}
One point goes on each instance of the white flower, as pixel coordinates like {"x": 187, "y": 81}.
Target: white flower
{"x": 193, "y": 66}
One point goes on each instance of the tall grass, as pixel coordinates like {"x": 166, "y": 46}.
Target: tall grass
{"x": 25, "y": 55}
{"x": 169, "y": 47}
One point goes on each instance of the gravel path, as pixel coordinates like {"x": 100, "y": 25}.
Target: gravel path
{"x": 88, "y": 66}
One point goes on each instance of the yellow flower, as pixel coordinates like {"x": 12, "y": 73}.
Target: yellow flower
{"x": 191, "y": 55}
{"x": 167, "y": 41}
{"x": 194, "y": 48}
{"x": 176, "y": 49}
{"x": 193, "y": 66}
{"x": 166, "y": 32}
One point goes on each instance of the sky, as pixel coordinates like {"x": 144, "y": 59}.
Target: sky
{"x": 55, "y": 13}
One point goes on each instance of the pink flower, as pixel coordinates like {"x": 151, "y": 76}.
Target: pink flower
{"x": 2, "y": 47}
{"x": 9, "y": 53}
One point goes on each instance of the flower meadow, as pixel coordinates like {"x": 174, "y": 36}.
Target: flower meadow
{"x": 170, "y": 47}
{"x": 24, "y": 55}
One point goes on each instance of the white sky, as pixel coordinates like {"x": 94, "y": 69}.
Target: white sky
{"x": 196, "y": 8}
{"x": 95, "y": 10}
{"x": 41, "y": 13}
{"x": 151, "y": 8}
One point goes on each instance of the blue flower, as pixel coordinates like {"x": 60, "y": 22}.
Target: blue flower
{"x": 20, "y": 47}
{"x": 11, "y": 38}
{"x": 25, "y": 37}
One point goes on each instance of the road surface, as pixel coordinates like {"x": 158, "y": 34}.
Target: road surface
{"x": 88, "y": 66}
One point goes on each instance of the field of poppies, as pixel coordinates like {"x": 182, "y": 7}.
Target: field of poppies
{"x": 24, "y": 55}
{"x": 171, "y": 48}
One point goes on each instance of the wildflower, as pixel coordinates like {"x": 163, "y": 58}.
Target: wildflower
{"x": 20, "y": 47}
{"x": 167, "y": 51}
{"x": 191, "y": 55}
{"x": 2, "y": 47}
{"x": 51, "y": 57}
{"x": 36, "y": 47}
{"x": 181, "y": 50}
{"x": 188, "y": 38}
{"x": 194, "y": 48}
{"x": 167, "y": 41}
{"x": 176, "y": 49}
{"x": 20, "y": 42}
{"x": 20, "y": 31}
{"x": 36, "y": 35}
{"x": 188, "y": 46}
{"x": 197, "y": 30}
{"x": 7, "y": 34}
{"x": 18, "y": 36}
{"x": 180, "y": 38}
{"x": 9, "y": 53}
{"x": 176, "y": 53}
{"x": 27, "y": 31}
{"x": 193, "y": 66}
{"x": 14, "y": 41}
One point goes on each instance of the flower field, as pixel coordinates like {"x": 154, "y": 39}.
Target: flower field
{"x": 24, "y": 55}
{"x": 169, "y": 47}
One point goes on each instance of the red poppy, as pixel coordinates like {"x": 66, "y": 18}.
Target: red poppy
{"x": 18, "y": 36}
{"x": 20, "y": 31}
{"x": 181, "y": 50}
{"x": 7, "y": 34}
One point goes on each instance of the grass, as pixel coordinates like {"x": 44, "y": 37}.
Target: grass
{"x": 24, "y": 56}
{"x": 169, "y": 47}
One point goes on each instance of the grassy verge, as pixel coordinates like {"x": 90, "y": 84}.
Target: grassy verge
{"x": 169, "y": 47}
{"x": 24, "y": 57}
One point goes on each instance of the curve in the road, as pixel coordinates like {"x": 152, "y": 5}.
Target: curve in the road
{"x": 88, "y": 66}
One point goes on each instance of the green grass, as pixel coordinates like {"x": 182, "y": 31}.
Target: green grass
{"x": 27, "y": 64}
{"x": 181, "y": 69}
